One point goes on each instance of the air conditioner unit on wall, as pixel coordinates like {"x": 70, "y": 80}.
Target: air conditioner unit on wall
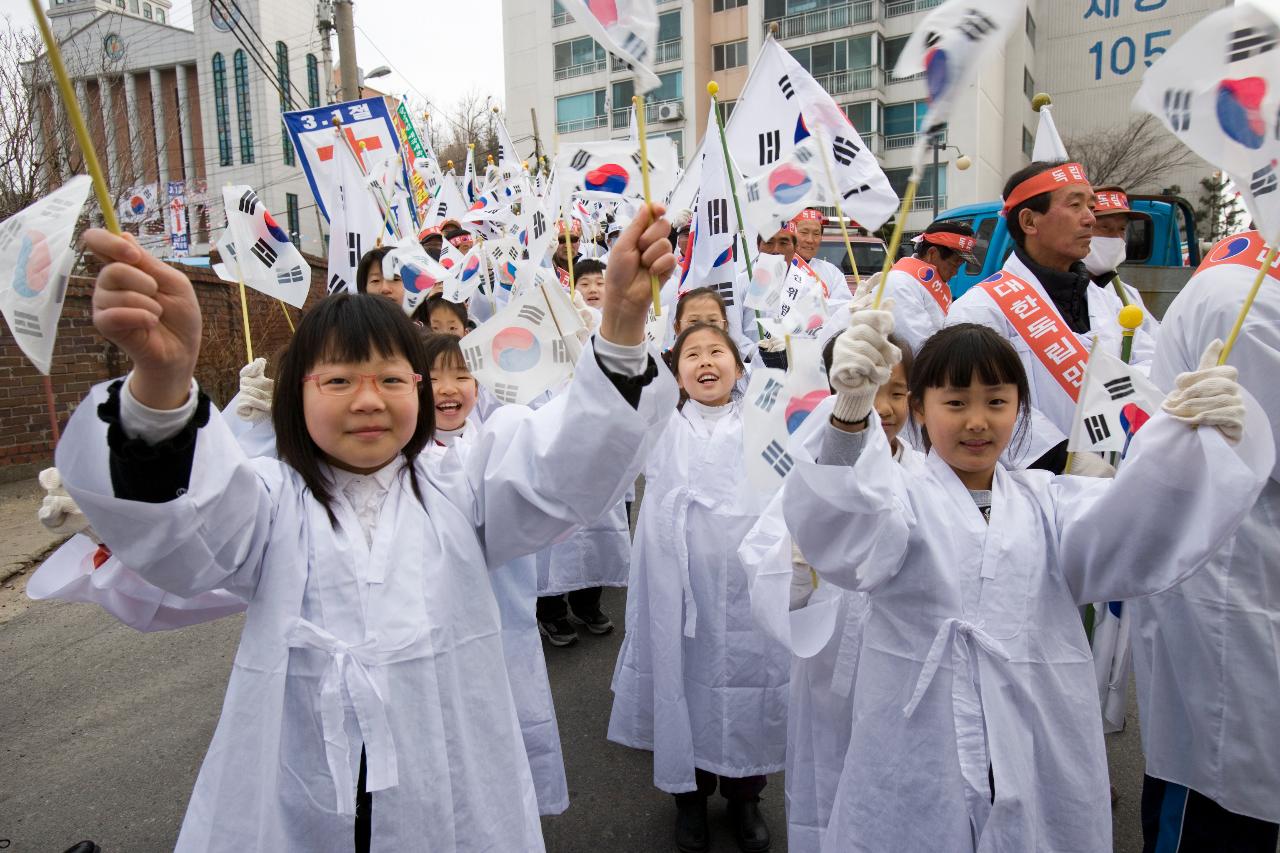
{"x": 672, "y": 111}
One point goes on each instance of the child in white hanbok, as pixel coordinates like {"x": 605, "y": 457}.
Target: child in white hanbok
{"x": 697, "y": 681}
{"x": 371, "y": 668}
{"x": 976, "y": 724}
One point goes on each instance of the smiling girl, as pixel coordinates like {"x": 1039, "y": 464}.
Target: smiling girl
{"x": 976, "y": 720}
{"x": 369, "y": 697}
{"x": 697, "y": 682}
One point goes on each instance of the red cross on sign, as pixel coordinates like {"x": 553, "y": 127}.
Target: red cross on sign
{"x": 369, "y": 143}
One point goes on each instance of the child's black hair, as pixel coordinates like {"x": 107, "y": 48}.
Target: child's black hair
{"x": 957, "y": 355}
{"x": 443, "y": 350}
{"x": 371, "y": 257}
{"x": 673, "y": 357}
{"x": 587, "y": 267}
{"x": 701, "y": 293}
{"x": 908, "y": 357}
{"x": 437, "y": 301}
{"x": 344, "y": 328}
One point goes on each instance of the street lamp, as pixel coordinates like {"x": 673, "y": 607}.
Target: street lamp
{"x": 937, "y": 143}
{"x": 380, "y": 71}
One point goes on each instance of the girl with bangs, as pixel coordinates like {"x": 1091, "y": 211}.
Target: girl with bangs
{"x": 976, "y": 724}
{"x": 369, "y": 701}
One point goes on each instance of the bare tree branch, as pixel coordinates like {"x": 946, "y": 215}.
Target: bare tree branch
{"x": 1135, "y": 156}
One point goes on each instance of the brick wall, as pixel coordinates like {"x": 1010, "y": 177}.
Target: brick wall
{"x": 82, "y": 358}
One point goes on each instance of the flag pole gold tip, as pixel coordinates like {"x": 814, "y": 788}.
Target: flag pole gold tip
{"x": 713, "y": 88}
{"x": 1040, "y": 101}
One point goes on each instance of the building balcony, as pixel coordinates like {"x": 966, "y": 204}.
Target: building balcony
{"x": 823, "y": 20}
{"x": 667, "y": 51}
{"x": 899, "y": 141}
{"x": 580, "y": 69}
{"x": 853, "y": 80}
{"x": 896, "y": 8}
{"x": 654, "y": 111}
{"x": 924, "y": 204}
{"x": 890, "y": 79}
{"x": 560, "y": 19}
{"x": 580, "y": 124}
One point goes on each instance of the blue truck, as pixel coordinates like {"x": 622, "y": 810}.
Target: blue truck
{"x": 1162, "y": 253}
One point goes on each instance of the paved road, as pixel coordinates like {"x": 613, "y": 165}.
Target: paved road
{"x": 102, "y": 730}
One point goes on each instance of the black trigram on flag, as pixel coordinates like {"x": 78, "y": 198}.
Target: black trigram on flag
{"x": 777, "y": 458}
{"x": 262, "y": 251}
{"x": 290, "y": 276}
{"x": 753, "y": 192}
{"x": 856, "y": 191}
{"x": 532, "y": 314}
{"x": 539, "y": 224}
{"x": 474, "y": 356}
{"x": 506, "y": 393}
{"x": 442, "y": 209}
{"x": 845, "y": 150}
{"x": 804, "y": 154}
{"x": 248, "y": 202}
{"x": 9, "y": 232}
{"x": 1096, "y": 426}
{"x": 725, "y": 289}
{"x": 635, "y": 158}
{"x": 717, "y": 216}
{"x": 768, "y": 396}
{"x": 976, "y": 26}
{"x": 55, "y": 207}
{"x": 337, "y": 284}
{"x": 1263, "y": 181}
{"x": 636, "y": 46}
{"x": 559, "y": 351}
{"x": 1119, "y": 388}
{"x": 580, "y": 160}
{"x": 785, "y": 85}
{"x": 26, "y": 324}
{"x": 1248, "y": 42}
{"x": 1177, "y": 109}
{"x": 770, "y": 146}
{"x": 354, "y": 249}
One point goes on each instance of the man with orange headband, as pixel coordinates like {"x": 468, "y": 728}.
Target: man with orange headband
{"x": 1108, "y": 249}
{"x": 1046, "y": 304}
{"x": 809, "y": 225}
{"x": 919, "y": 285}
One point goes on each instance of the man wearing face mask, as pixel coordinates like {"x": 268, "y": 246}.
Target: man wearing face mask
{"x": 1107, "y": 250}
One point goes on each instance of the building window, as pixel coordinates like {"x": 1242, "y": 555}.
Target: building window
{"x": 220, "y": 108}
{"x": 726, "y": 109}
{"x": 576, "y": 57}
{"x": 677, "y": 137}
{"x": 582, "y": 111}
{"x": 1031, "y": 28}
{"x": 905, "y": 118}
{"x": 291, "y": 215}
{"x": 668, "y": 48}
{"x": 119, "y": 3}
{"x": 832, "y": 56}
{"x": 730, "y": 55}
{"x": 1028, "y": 84}
{"x": 244, "y": 114}
{"x": 724, "y": 5}
{"x": 133, "y": 6}
{"x": 670, "y": 88}
{"x": 146, "y": 11}
{"x": 623, "y": 91}
{"x": 1028, "y": 144}
{"x": 899, "y": 178}
{"x": 160, "y": 14}
{"x": 893, "y": 51}
{"x": 559, "y": 17}
{"x": 286, "y": 98}
{"x": 861, "y": 116}
{"x": 313, "y": 80}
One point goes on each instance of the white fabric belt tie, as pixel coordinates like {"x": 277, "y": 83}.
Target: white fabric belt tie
{"x": 348, "y": 667}
{"x": 675, "y": 506}
{"x": 966, "y": 706}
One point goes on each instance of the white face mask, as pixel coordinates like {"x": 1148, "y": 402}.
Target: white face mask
{"x": 1106, "y": 254}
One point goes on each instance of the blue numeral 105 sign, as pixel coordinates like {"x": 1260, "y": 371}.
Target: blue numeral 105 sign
{"x": 1123, "y": 53}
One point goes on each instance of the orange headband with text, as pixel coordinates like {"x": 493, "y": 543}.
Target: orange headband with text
{"x": 1066, "y": 175}
{"x": 958, "y": 242}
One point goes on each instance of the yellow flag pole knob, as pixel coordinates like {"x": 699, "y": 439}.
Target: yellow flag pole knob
{"x": 1131, "y": 317}
{"x": 713, "y": 88}
{"x": 449, "y": 163}
{"x": 1040, "y": 100}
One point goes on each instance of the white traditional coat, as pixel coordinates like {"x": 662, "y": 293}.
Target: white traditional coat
{"x": 1052, "y": 409}
{"x": 974, "y": 658}
{"x": 396, "y": 646}
{"x": 1207, "y": 652}
{"x": 697, "y": 681}
{"x": 597, "y": 554}
{"x": 916, "y": 314}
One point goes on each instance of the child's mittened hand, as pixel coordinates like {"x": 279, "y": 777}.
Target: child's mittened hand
{"x": 149, "y": 310}
{"x": 861, "y": 362}
{"x": 58, "y": 511}
{"x": 643, "y": 250}
{"x": 254, "y": 403}
{"x": 1209, "y": 396}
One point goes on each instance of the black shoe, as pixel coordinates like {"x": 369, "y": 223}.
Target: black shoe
{"x": 692, "y": 834}
{"x": 597, "y": 623}
{"x": 85, "y": 847}
{"x": 749, "y": 828}
{"x": 558, "y": 632}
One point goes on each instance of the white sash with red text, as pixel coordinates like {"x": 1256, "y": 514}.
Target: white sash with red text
{"x": 1038, "y": 323}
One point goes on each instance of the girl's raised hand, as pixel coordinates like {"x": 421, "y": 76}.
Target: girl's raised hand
{"x": 149, "y": 310}
{"x": 643, "y": 249}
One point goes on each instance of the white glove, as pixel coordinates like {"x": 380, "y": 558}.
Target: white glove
{"x": 802, "y": 583}
{"x": 58, "y": 511}
{"x": 867, "y": 287}
{"x": 254, "y": 402}
{"x": 1209, "y": 396}
{"x": 589, "y": 316}
{"x": 773, "y": 343}
{"x": 862, "y": 361}
{"x": 1088, "y": 464}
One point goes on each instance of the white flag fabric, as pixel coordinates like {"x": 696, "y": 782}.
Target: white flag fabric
{"x": 1218, "y": 90}
{"x": 266, "y": 257}
{"x": 355, "y": 224}
{"x": 949, "y": 46}
{"x": 508, "y": 154}
{"x": 36, "y": 255}
{"x": 1110, "y": 387}
{"x": 714, "y": 227}
{"x": 783, "y": 189}
{"x": 1049, "y": 146}
{"x": 775, "y": 406}
{"x": 519, "y": 352}
{"x": 139, "y": 204}
{"x": 609, "y": 171}
{"x": 417, "y": 271}
{"x": 470, "y": 189}
{"x": 467, "y": 276}
{"x": 626, "y": 28}
{"x": 1112, "y": 661}
{"x": 769, "y": 274}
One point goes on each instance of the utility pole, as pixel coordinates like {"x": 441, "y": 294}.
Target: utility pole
{"x": 343, "y": 21}
{"x": 537, "y": 142}
{"x": 324, "y": 23}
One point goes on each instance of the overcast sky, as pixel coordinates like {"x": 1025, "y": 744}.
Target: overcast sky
{"x": 437, "y": 58}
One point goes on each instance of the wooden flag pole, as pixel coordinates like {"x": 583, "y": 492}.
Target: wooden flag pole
{"x": 1248, "y": 301}
{"x": 835, "y": 192}
{"x": 637, "y": 101}
{"x": 896, "y": 239}
{"x": 287, "y": 318}
{"x": 244, "y": 303}
{"x": 53, "y": 406}
{"x": 76, "y": 117}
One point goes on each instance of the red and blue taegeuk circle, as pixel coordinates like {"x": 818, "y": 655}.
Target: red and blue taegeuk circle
{"x": 799, "y": 408}
{"x": 516, "y": 349}
{"x": 609, "y": 178}
{"x": 1239, "y": 110}
{"x": 787, "y": 184}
